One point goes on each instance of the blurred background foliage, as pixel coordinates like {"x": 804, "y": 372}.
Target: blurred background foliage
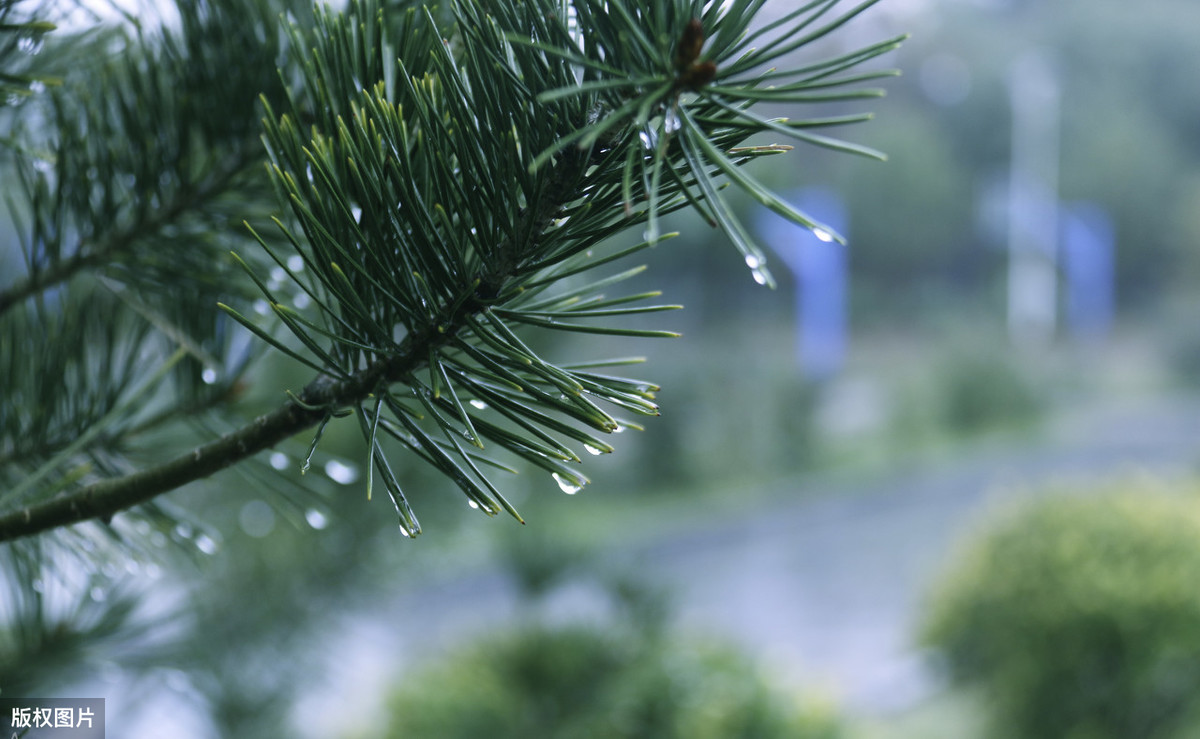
{"x": 260, "y": 631}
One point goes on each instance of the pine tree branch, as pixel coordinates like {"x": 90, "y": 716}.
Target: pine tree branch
{"x": 317, "y": 401}
{"x": 118, "y": 244}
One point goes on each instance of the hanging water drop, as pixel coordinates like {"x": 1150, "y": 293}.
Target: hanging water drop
{"x": 570, "y": 487}
{"x": 343, "y": 474}
{"x": 479, "y": 404}
{"x": 206, "y": 544}
{"x": 97, "y": 594}
{"x": 753, "y": 262}
{"x": 759, "y": 276}
{"x": 822, "y": 235}
{"x": 592, "y": 450}
{"x": 473, "y": 504}
{"x": 316, "y": 519}
{"x": 649, "y": 138}
{"x": 209, "y": 376}
{"x": 279, "y": 461}
{"x": 671, "y": 122}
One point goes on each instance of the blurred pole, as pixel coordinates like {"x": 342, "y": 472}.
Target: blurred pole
{"x": 1088, "y": 260}
{"x": 1032, "y": 205}
{"x": 818, "y": 264}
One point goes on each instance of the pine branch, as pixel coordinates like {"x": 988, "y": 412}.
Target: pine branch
{"x": 318, "y": 402}
{"x": 116, "y": 246}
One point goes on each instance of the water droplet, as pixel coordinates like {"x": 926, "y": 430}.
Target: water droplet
{"x": 759, "y": 276}
{"x": 356, "y": 212}
{"x": 97, "y": 594}
{"x": 342, "y": 474}
{"x": 184, "y": 531}
{"x": 473, "y": 504}
{"x": 753, "y": 262}
{"x": 295, "y": 263}
{"x": 479, "y": 404}
{"x": 257, "y": 519}
{"x": 206, "y": 544}
{"x": 570, "y": 487}
{"x": 301, "y": 301}
{"x": 316, "y": 519}
{"x": 37, "y": 585}
{"x": 261, "y": 307}
{"x": 649, "y": 138}
{"x": 279, "y": 460}
{"x": 404, "y": 531}
{"x": 619, "y": 429}
{"x": 277, "y": 276}
{"x": 37, "y": 87}
{"x": 671, "y": 121}
{"x": 822, "y": 235}
{"x": 45, "y": 166}
{"x": 592, "y": 450}
{"x": 209, "y": 375}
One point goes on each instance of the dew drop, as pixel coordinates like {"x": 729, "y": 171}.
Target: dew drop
{"x": 97, "y": 594}
{"x": 759, "y": 276}
{"x": 822, "y": 235}
{"x": 649, "y": 138}
{"x": 592, "y": 450}
{"x": 340, "y": 473}
{"x": 184, "y": 531}
{"x": 568, "y": 486}
{"x": 209, "y": 375}
{"x": 257, "y": 519}
{"x": 356, "y": 212}
{"x": 316, "y": 519}
{"x": 295, "y": 263}
{"x": 279, "y": 461}
{"x": 473, "y": 504}
{"x": 37, "y": 87}
{"x": 206, "y": 544}
{"x": 671, "y": 121}
{"x": 404, "y": 531}
{"x": 479, "y": 404}
{"x": 753, "y": 262}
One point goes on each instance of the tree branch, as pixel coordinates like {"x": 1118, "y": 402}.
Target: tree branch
{"x": 321, "y": 397}
{"x": 115, "y": 246}
{"x": 108, "y": 497}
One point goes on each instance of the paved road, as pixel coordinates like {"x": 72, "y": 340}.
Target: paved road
{"x": 827, "y": 588}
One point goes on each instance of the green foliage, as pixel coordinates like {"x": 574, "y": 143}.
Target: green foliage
{"x": 1079, "y": 616}
{"x": 578, "y": 682}
{"x": 453, "y": 179}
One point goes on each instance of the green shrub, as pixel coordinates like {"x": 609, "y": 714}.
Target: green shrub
{"x": 588, "y": 683}
{"x": 1079, "y": 616}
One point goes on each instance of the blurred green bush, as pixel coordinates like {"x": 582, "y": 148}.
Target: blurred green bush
{"x": 585, "y": 682}
{"x": 620, "y": 675}
{"x": 1078, "y": 616}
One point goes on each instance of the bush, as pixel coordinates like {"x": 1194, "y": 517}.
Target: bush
{"x": 1079, "y": 616}
{"x": 580, "y": 682}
